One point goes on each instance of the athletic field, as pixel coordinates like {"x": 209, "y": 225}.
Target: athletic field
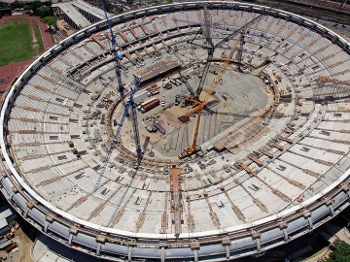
{"x": 16, "y": 42}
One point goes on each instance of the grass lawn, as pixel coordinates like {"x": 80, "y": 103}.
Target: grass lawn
{"x": 39, "y": 40}
{"x": 15, "y": 42}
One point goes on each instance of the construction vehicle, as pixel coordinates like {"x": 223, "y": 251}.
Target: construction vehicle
{"x": 153, "y": 93}
{"x": 151, "y": 128}
{"x": 116, "y": 136}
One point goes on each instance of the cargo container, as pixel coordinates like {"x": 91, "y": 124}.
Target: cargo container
{"x": 139, "y": 107}
{"x": 153, "y": 93}
{"x": 159, "y": 127}
{"x": 148, "y": 101}
{"x": 150, "y": 105}
{"x": 10, "y": 247}
{"x": 139, "y": 96}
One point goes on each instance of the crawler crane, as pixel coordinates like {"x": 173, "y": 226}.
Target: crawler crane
{"x": 199, "y": 108}
{"x": 206, "y": 25}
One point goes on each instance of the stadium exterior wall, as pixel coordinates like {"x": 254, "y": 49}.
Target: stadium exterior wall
{"x": 118, "y": 245}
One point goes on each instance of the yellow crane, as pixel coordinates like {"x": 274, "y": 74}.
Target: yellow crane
{"x": 201, "y": 104}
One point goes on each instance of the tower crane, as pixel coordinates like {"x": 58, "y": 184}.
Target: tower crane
{"x": 211, "y": 52}
{"x": 211, "y": 48}
{"x": 234, "y": 33}
{"x": 130, "y": 102}
{"x": 114, "y": 49}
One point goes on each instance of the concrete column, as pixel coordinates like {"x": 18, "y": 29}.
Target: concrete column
{"x": 307, "y": 215}
{"x": 311, "y": 224}
{"x": 162, "y": 254}
{"x": 46, "y": 226}
{"x": 195, "y": 246}
{"x": 195, "y": 255}
{"x": 331, "y": 209}
{"x": 227, "y": 249}
{"x": 98, "y": 249}
{"x": 73, "y": 230}
{"x": 70, "y": 239}
{"x": 285, "y": 234}
{"x": 129, "y": 253}
{"x": 11, "y": 196}
{"x": 226, "y": 242}
{"x": 29, "y": 206}
{"x": 258, "y": 244}
{"x": 283, "y": 227}
{"x": 329, "y": 204}
{"x": 256, "y": 236}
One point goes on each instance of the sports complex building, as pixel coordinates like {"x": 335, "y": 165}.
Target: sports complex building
{"x": 273, "y": 138}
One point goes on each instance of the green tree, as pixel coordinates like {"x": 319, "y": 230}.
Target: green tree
{"x": 43, "y": 11}
{"x": 4, "y": 5}
{"x": 48, "y": 3}
{"x": 50, "y": 20}
{"x": 341, "y": 252}
{"x": 35, "y": 5}
{"x": 27, "y": 7}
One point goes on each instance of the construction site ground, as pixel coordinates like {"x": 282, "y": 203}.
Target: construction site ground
{"x": 240, "y": 97}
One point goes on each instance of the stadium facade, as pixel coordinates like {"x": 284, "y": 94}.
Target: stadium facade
{"x": 289, "y": 182}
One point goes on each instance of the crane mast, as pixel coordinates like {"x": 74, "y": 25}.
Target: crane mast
{"x": 211, "y": 48}
{"x": 129, "y": 103}
{"x": 114, "y": 43}
{"x": 135, "y": 128}
{"x": 114, "y": 48}
{"x": 199, "y": 108}
{"x": 189, "y": 88}
{"x": 240, "y": 51}
{"x": 206, "y": 29}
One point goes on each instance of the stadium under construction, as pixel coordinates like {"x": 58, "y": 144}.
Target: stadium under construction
{"x": 206, "y": 131}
